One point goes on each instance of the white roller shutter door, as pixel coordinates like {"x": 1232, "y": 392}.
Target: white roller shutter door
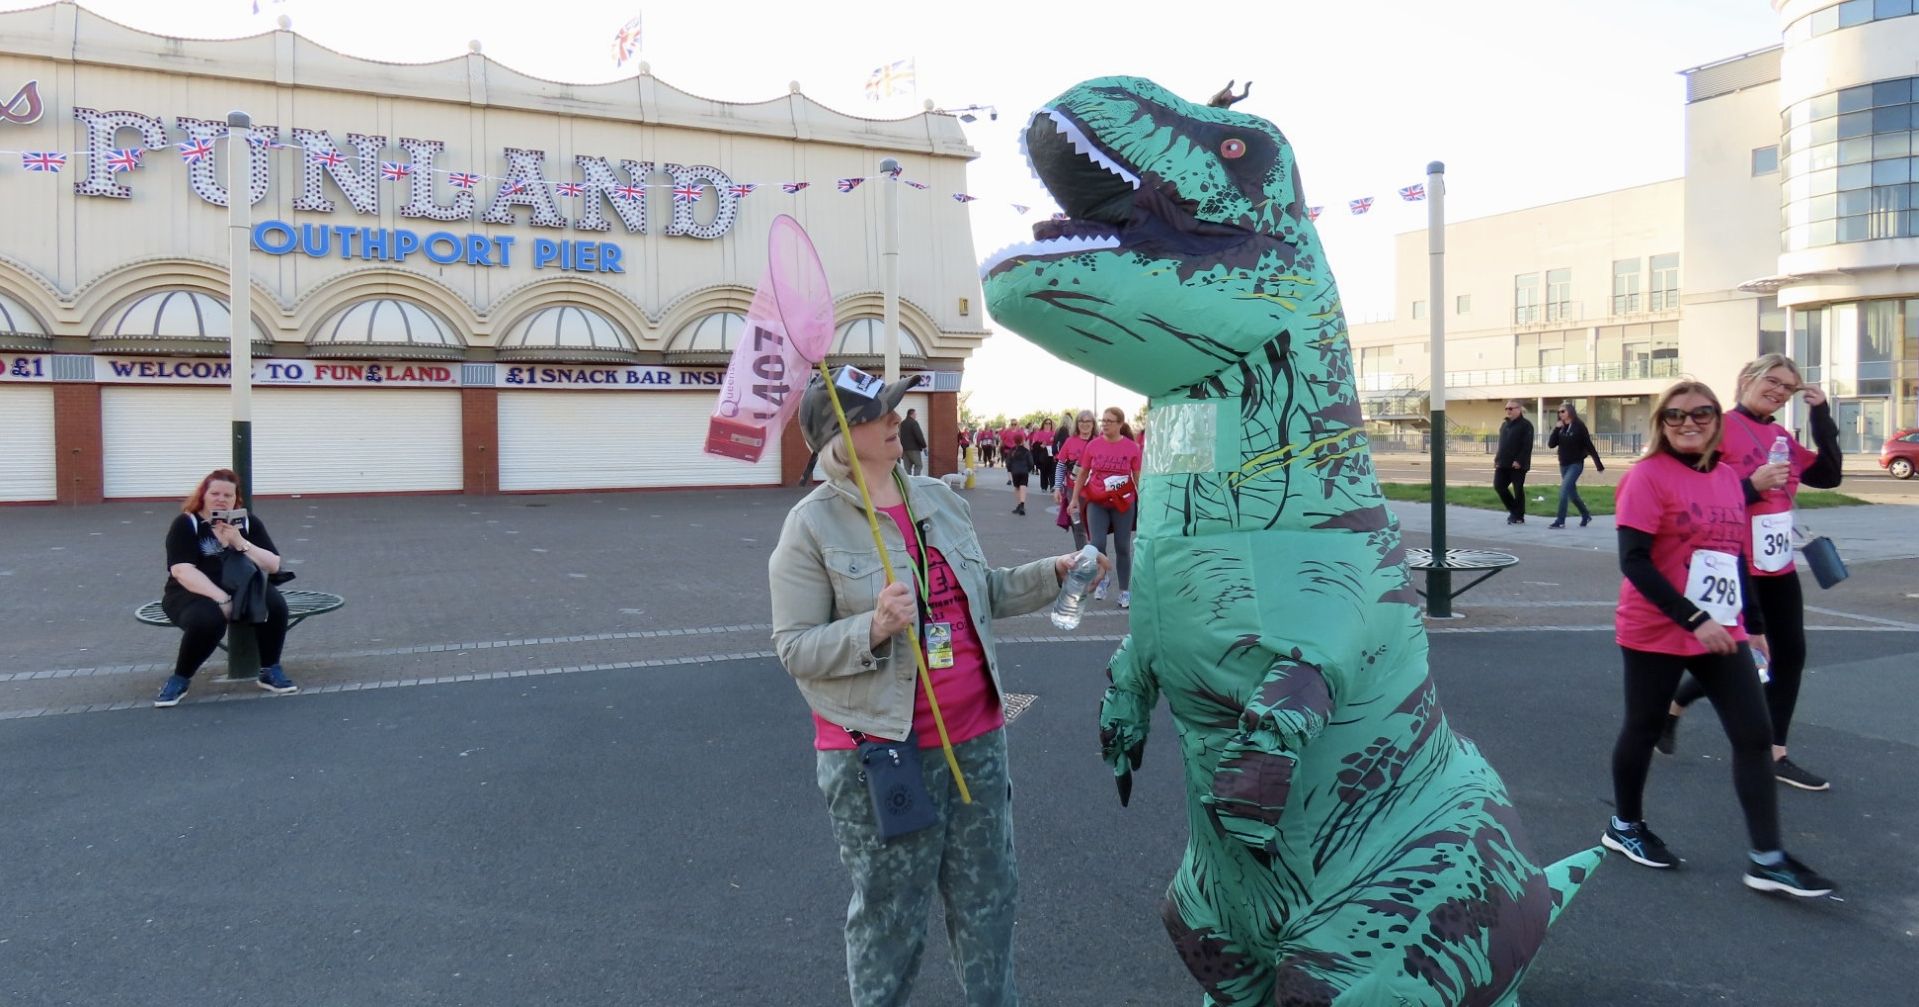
{"x": 158, "y": 442}
{"x": 26, "y": 461}
{"x": 615, "y": 440}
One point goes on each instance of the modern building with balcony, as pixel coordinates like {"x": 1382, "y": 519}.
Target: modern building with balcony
{"x": 1795, "y": 229}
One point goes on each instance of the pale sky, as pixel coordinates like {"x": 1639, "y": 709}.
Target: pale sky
{"x": 1527, "y": 101}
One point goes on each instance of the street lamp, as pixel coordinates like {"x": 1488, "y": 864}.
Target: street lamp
{"x": 970, "y": 113}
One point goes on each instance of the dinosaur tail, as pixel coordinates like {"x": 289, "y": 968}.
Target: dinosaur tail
{"x": 1567, "y": 875}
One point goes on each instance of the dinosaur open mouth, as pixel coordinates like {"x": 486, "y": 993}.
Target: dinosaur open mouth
{"x": 1107, "y": 204}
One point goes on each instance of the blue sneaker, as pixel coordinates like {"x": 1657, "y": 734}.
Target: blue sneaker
{"x": 1637, "y": 844}
{"x": 1791, "y": 877}
{"x": 171, "y": 693}
{"x": 273, "y": 680}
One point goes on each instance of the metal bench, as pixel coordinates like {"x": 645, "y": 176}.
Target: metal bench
{"x": 1484, "y": 562}
{"x": 241, "y": 645}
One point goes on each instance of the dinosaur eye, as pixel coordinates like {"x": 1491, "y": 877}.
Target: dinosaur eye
{"x": 1232, "y": 149}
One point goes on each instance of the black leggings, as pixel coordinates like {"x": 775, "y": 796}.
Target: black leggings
{"x": 1733, "y": 686}
{"x": 204, "y": 625}
{"x": 1783, "y": 603}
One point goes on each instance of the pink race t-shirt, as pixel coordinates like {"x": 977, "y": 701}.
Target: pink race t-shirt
{"x": 1745, "y": 447}
{"x": 1103, "y": 458}
{"x": 968, "y": 701}
{"x": 1684, "y": 510}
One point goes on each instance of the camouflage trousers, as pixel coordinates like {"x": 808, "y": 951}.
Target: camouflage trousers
{"x": 967, "y": 858}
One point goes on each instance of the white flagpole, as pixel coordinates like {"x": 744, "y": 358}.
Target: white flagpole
{"x": 890, "y": 265}
{"x": 240, "y": 297}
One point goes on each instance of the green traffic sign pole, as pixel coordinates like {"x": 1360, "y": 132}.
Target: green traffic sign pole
{"x": 1439, "y": 580}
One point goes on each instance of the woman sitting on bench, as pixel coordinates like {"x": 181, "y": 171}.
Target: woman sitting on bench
{"x": 198, "y": 544}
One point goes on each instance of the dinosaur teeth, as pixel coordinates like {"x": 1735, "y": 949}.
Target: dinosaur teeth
{"x": 1087, "y": 149}
{"x": 1048, "y": 247}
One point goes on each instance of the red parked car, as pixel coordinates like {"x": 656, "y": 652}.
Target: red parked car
{"x": 1901, "y": 454}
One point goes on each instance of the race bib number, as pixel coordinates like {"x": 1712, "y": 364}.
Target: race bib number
{"x": 1712, "y": 583}
{"x": 1772, "y": 541}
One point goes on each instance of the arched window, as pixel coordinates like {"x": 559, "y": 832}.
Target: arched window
{"x": 386, "y": 327}
{"x": 173, "y": 321}
{"x": 565, "y": 332}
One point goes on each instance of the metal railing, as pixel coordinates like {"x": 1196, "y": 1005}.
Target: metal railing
{"x": 1663, "y": 367}
{"x": 1407, "y": 442}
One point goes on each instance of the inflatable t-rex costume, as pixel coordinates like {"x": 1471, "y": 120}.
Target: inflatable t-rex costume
{"x": 1346, "y": 846}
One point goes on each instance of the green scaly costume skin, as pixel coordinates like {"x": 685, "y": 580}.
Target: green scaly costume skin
{"x": 1346, "y": 846}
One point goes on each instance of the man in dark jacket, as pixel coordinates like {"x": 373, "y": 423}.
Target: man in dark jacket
{"x": 912, "y": 443}
{"x": 1514, "y": 458}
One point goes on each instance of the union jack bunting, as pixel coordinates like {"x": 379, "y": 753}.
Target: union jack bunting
{"x": 1021, "y": 210}
{"x": 42, "y": 160}
{"x": 393, "y": 171}
{"x": 686, "y": 194}
{"x": 259, "y": 141}
{"x": 568, "y": 188}
{"x": 1413, "y": 193}
{"x": 960, "y": 197}
{"x": 463, "y": 179}
{"x": 1313, "y": 212}
{"x": 1361, "y": 205}
{"x": 629, "y": 191}
{"x": 894, "y": 172}
{"x": 330, "y": 158}
{"x": 195, "y": 151}
{"x": 514, "y": 187}
{"x": 1061, "y": 216}
{"x": 124, "y": 159}
{"x": 791, "y": 187}
{"x": 916, "y": 185}
{"x": 742, "y": 188}
{"x": 849, "y": 184}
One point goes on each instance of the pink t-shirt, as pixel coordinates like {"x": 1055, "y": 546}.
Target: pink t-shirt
{"x": 968, "y": 701}
{"x": 1102, "y": 457}
{"x": 1684, "y": 510}
{"x": 1744, "y": 449}
{"x": 1012, "y": 437}
{"x": 1071, "y": 449}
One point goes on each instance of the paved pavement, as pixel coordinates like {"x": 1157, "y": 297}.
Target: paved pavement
{"x": 543, "y": 756}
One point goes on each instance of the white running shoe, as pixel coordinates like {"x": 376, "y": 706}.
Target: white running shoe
{"x": 1126, "y": 599}
{"x": 1099, "y": 593}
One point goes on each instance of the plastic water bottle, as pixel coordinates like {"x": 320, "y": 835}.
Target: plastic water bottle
{"x": 1781, "y": 452}
{"x": 1072, "y": 594}
{"x": 1764, "y": 666}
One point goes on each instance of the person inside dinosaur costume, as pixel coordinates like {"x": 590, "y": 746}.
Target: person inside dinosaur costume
{"x": 1346, "y": 847}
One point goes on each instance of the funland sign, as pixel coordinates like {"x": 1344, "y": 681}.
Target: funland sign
{"x": 361, "y": 171}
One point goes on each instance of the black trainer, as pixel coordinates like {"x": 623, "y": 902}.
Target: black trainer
{"x": 1639, "y": 845}
{"x": 1668, "y": 741}
{"x": 1791, "y": 877}
{"x": 1788, "y": 772}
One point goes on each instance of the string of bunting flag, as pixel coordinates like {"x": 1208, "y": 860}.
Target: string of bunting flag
{"x": 197, "y": 149}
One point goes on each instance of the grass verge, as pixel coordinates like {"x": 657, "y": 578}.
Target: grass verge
{"x": 1599, "y": 499}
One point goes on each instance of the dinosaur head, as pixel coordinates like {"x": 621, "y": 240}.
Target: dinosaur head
{"x": 1184, "y": 244}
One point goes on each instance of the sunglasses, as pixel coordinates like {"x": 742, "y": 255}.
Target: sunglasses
{"x": 1700, "y": 414}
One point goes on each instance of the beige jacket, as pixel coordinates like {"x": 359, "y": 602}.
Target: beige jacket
{"x": 825, "y": 579}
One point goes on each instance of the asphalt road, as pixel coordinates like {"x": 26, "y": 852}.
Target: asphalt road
{"x": 543, "y": 757}
{"x": 653, "y": 836}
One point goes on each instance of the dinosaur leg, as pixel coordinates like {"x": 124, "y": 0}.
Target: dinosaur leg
{"x": 1230, "y": 974}
{"x": 1567, "y": 875}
